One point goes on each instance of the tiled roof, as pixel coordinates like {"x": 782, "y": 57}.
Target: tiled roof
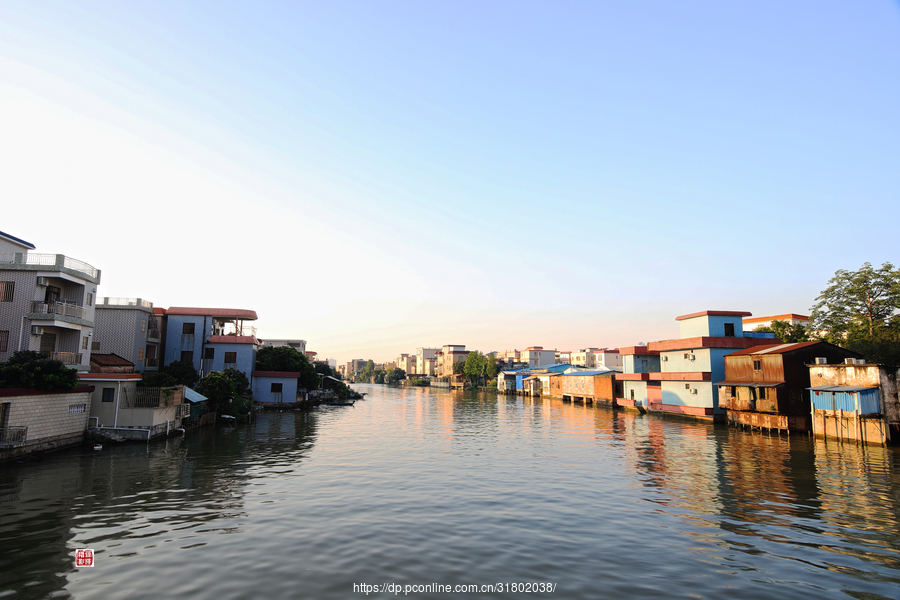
{"x": 110, "y": 360}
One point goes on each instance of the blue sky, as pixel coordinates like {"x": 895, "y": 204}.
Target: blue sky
{"x": 373, "y": 177}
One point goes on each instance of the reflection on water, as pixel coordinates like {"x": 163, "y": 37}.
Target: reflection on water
{"x": 430, "y": 486}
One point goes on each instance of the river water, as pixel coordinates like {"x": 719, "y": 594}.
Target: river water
{"x": 423, "y": 487}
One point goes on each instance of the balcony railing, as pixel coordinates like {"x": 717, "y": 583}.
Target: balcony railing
{"x": 58, "y": 308}
{"x": 106, "y": 301}
{"x": 50, "y": 260}
{"x": 152, "y": 333}
{"x": 152, "y": 397}
{"x": 66, "y": 358}
{"x": 13, "y": 436}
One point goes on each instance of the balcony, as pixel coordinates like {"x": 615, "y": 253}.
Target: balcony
{"x": 13, "y": 436}
{"x": 59, "y": 261}
{"x": 66, "y": 358}
{"x": 58, "y": 308}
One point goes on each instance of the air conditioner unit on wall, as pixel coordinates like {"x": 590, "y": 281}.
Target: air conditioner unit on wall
{"x": 693, "y": 357}
{"x": 821, "y": 360}
{"x": 42, "y": 281}
{"x": 37, "y": 330}
{"x": 694, "y": 391}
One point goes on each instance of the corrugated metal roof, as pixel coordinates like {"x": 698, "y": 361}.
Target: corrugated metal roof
{"x": 576, "y": 373}
{"x": 775, "y": 348}
{"x": 840, "y": 388}
{"x": 194, "y": 396}
{"x": 750, "y": 384}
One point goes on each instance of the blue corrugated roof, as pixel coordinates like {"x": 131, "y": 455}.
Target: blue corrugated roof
{"x": 194, "y": 396}
{"x": 588, "y": 373}
{"x": 18, "y": 240}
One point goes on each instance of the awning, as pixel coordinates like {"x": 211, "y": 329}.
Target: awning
{"x": 193, "y": 396}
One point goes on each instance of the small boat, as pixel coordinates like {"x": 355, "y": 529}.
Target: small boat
{"x": 98, "y": 446}
{"x": 339, "y": 403}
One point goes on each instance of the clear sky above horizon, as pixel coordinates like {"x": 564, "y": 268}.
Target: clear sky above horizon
{"x": 378, "y": 176}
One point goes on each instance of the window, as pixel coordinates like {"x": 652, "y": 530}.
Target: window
{"x": 76, "y": 409}
{"x": 90, "y": 300}
{"x": 230, "y": 358}
{"x": 687, "y": 386}
{"x": 140, "y": 354}
{"x": 763, "y": 394}
{"x": 187, "y": 329}
{"x": 209, "y": 353}
{"x": 95, "y": 346}
{"x": 109, "y": 394}
{"x": 187, "y": 356}
{"x": 729, "y": 329}
{"x": 276, "y": 388}
{"x": 632, "y": 394}
{"x": 143, "y": 325}
{"x": 6, "y": 290}
{"x": 733, "y": 391}
{"x": 4, "y": 340}
{"x": 757, "y": 365}
{"x": 687, "y": 356}
{"x": 84, "y": 342}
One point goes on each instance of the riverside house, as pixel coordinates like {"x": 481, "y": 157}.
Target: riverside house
{"x": 46, "y": 303}
{"x": 767, "y": 386}
{"x": 691, "y": 364}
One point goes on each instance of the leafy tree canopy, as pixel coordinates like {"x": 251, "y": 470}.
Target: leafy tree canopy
{"x": 787, "y": 332}
{"x": 492, "y": 368}
{"x": 285, "y": 358}
{"x": 31, "y": 370}
{"x": 475, "y": 365}
{"x": 866, "y": 299}
{"x": 158, "y": 379}
{"x": 459, "y": 368}
{"x": 183, "y": 372}
{"x": 858, "y": 310}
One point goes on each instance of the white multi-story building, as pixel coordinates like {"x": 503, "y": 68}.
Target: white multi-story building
{"x": 46, "y": 303}
{"x": 424, "y": 356}
{"x": 536, "y": 356}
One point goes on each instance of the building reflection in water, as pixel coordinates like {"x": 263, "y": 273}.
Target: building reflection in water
{"x": 148, "y": 494}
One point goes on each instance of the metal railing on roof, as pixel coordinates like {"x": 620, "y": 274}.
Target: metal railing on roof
{"x": 58, "y": 260}
{"x": 106, "y": 301}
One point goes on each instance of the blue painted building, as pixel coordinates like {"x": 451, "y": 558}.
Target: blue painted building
{"x": 212, "y": 339}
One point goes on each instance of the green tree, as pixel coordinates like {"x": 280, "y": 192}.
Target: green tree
{"x": 280, "y": 358}
{"x": 393, "y": 376}
{"x": 287, "y": 359}
{"x": 491, "y": 369}
{"x": 459, "y": 368}
{"x": 157, "y": 379}
{"x": 219, "y": 390}
{"x": 866, "y": 300}
{"x": 31, "y": 370}
{"x": 183, "y": 372}
{"x": 858, "y": 310}
{"x": 786, "y": 332}
{"x": 475, "y": 366}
